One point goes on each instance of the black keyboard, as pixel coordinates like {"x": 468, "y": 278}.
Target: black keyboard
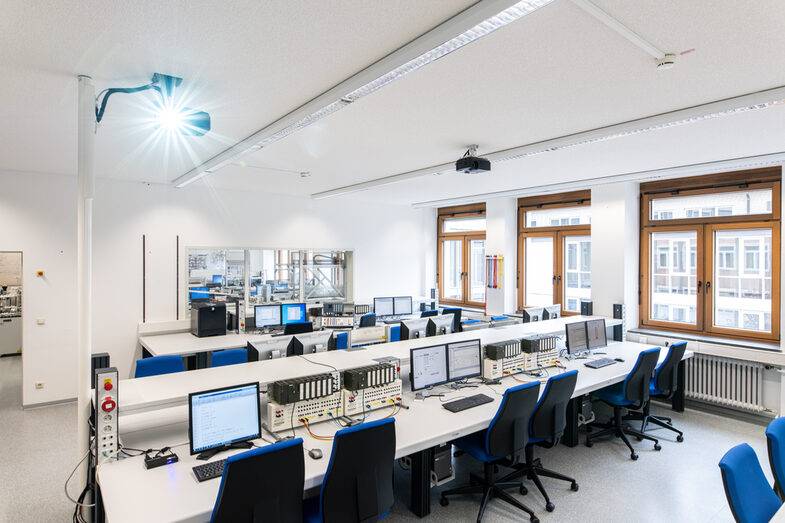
{"x": 599, "y": 363}
{"x": 214, "y": 469}
{"x": 467, "y": 402}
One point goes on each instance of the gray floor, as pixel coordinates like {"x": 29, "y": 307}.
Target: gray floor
{"x": 679, "y": 483}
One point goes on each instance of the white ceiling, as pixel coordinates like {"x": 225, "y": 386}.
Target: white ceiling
{"x": 555, "y": 72}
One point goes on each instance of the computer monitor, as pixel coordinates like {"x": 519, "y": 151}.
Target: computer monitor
{"x": 298, "y": 328}
{"x": 199, "y": 293}
{"x": 278, "y": 347}
{"x": 292, "y": 313}
{"x": 218, "y": 278}
{"x": 552, "y": 312}
{"x": 576, "y": 337}
{"x": 402, "y": 305}
{"x": 464, "y": 359}
{"x": 413, "y": 329}
{"x": 595, "y": 333}
{"x": 428, "y": 366}
{"x": 531, "y": 314}
{"x": 440, "y": 325}
{"x": 267, "y": 315}
{"x": 220, "y": 419}
{"x": 310, "y": 342}
{"x": 383, "y": 306}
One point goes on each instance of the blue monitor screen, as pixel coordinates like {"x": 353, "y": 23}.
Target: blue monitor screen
{"x": 199, "y": 295}
{"x": 218, "y": 278}
{"x": 292, "y": 313}
{"x": 223, "y": 416}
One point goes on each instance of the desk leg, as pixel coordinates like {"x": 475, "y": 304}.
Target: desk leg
{"x": 201, "y": 360}
{"x": 677, "y": 402}
{"x": 146, "y": 353}
{"x": 570, "y": 437}
{"x": 421, "y": 482}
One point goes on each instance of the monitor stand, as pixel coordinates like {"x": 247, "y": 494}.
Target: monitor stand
{"x": 207, "y": 454}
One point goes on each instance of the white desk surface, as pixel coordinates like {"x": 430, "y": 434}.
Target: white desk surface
{"x": 186, "y": 343}
{"x": 178, "y": 496}
{"x": 779, "y": 516}
{"x": 139, "y": 394}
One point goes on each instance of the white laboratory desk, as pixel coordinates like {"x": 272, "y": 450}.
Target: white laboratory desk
{"x": 129, "y": 490}
{"x": 185, "y": 343}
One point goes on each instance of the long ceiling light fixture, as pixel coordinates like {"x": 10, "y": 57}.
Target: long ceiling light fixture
{"x": 469, "y": 25}
{"x": 698, "y": 113}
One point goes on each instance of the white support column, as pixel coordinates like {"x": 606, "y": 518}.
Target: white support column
{"x": 615, "y": 238}
{"x": 501, "y": 230}
{"x": 86, "y": 181}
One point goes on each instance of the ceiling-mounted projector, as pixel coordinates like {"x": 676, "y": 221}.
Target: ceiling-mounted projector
{"x": 471, "y": 164}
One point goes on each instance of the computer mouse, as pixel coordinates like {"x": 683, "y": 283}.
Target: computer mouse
{"x": 619, "y": 360}
{"x": 315, "y": 453}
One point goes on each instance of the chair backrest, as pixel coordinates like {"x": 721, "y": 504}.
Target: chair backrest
{"x": 775, "y": 437}
{"x": 369, "y": 320}
{"x": 263, "y": 484}
{"x": 750, "y": 497}
{"x": 508, "y": 432}
{"x": 358, "y": 484}
{"x": 228, "y": 357}
{"x": 158, "y": 365}
{"x": 456, "y": 322}
{"x": 550, "y": 414}
{"x": 395, "y": 333}
{"x": 499, "y": 318}
{"x": 428, "y": 314}
{"x": 665, "y": 376}
{"x": 636, "y": 384}
{"x": 341, "y": 340}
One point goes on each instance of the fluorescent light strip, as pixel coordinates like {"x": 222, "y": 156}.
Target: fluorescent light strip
{"x": 501, "y": 13}
{"x": 735, "y": 164}
{"x": 727, "y": 107}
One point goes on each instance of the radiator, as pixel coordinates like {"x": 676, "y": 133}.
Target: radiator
{"x": 725, "y": 381}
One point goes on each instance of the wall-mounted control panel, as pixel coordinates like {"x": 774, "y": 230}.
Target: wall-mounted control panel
{"x": 106, "y": 414}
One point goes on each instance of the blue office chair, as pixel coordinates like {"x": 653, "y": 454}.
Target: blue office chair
{"x": 341, "y": 341}
{"x": 368, "y": 320}
{"x": 499, "y": 318}
{"x": 750, "y": 497}
{"x": 251, "y": 492}
{"x": 545, "y": 430}
{"x": 158, "y": 365}
{"x": 502, "y": 443}
{"x": 358, "y": 484}
{"x": 664, "y": 384}
{"x": 632, "y": 394}
{"x": 456, "y": 322}
{"x": 775, "y": 437}
{"x": 229, "y": 357}
{"x": 428, "y": 314}
{"x": 395, "y": 333}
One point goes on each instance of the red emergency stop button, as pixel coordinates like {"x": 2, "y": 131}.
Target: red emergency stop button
{"x": 108, "y": 385}
{"x": 108, "y": 405}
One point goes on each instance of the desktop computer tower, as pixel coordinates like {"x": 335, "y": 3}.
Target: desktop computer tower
{"x": 619, "y": 313}
{"x": 587, "y": 308}
{"x": 208, "y": 319}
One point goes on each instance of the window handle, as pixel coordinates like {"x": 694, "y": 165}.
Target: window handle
{"x": 554, "y": 278}
{"x": 708, "y": 286}
{"x": 699, "y": 286}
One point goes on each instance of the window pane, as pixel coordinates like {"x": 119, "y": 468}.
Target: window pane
{"x": 452, "y": 267}
{"x": 742, "y": 280}
{"x": 737, "y": 203}
{"x": 539, "y": 271}
{"x": 469, "y": 224}
{"x": 477, "y": 270}
{"x": 674, "y": 276}
{"x": 579, "y": 215}
{"x": 577, "y": 286}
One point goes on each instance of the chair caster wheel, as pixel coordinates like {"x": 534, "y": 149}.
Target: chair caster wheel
{"x": 639, "y": 438}
{"x": 523, "y": 490}
{"x": 574, "y": 487}
{"x": 534, "y": 519}
{"x": 444, "y": 502}
{"x": 679, "y": 438}
{"x": 633, "y": 456}
{"x": 549, "y": 507}
{"x": 657, "y": 446}
{"x": 589, "y": 443}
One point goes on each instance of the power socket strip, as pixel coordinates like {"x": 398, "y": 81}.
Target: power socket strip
{"x": 280, "y": 417}
{"x": 354, "y": 402}
{"x": 106, "y": 411}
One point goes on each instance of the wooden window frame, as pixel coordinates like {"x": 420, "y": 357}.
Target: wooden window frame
{"x": 557, "y": 232}
{"x": 462, "y": 211}
{"x": 706, "y": 226}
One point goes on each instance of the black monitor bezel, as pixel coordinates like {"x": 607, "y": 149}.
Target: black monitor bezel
{"x": 384, "y": 298}
{"x": 223, "y": 445}
{"x": 411, "y": 306}
{"x": 449, "y": 369}
{"x": 280, "y": 313}
{"x": 572, "y": 350}
{"x": 411, "y": 366}
{"x": 604, "y": 334}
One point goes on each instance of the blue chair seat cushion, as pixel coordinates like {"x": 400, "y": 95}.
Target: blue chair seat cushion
{"x": 613, "y": 394}
{"x": 474, "y": 445}
{"x": 497, "y": 318}
{"x": 466, "y": 322}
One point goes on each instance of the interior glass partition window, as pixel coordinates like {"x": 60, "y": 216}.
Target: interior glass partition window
{"x": 711, "y": 264}
{"x": 554, "y": 251}
{"x": 461, "y": 255}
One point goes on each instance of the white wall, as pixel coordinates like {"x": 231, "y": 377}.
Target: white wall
{"x": 501, "y": 233}
{"x": 389, "y": 243}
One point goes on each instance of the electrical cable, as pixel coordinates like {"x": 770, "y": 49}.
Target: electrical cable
{"x": 317, "y": 363}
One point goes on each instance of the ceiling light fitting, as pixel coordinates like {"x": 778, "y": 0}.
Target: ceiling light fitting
{"x": 475, "y": 22}
{"x": 170, "y": 117}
